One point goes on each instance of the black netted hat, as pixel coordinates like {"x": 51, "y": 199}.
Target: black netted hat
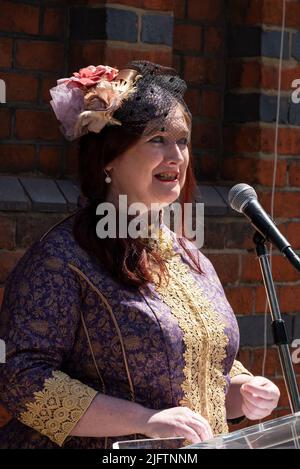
{"x": 141, "y": 93}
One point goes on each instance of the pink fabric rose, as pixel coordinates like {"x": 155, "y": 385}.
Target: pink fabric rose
{"x": 91, "y": 75}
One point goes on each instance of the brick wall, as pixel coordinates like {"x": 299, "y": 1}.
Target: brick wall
{"x": 250, "y": 105}
{"x": 32, "y": 57}
{"x": 199, "y": 55}
{"x": 228, "y": 52}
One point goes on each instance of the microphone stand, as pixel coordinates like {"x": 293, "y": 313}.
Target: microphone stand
{"x": 278, "y": 325}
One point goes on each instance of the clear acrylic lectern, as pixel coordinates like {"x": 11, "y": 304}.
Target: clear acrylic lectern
{"x": 281, "y": 433}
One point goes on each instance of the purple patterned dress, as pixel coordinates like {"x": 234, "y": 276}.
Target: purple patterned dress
{"x": 72, "y": 331}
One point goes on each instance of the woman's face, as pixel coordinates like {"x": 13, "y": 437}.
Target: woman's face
{"x": 141, "y": 171}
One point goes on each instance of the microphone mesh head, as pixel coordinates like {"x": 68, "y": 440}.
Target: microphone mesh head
{"x": 239, "y": 195}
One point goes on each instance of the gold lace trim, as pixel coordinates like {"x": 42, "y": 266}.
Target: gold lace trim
{"x": 238, "y": 369}
{"x": 162, "y": 243}
{"x": 205, "y": 344}
{"x": 58, "y": 407}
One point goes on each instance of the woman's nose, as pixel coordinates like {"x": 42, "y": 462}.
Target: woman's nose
{"x": 174, "y": 153}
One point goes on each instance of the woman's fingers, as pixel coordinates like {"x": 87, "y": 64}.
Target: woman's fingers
{"x": 203, "y": 426}
{"x": 177, "y": 421}
{"x": 260, "y": 396}
{"x": 252, "y": 412}
{"x": 260, "y": 403}
{"x": 262, "y": 392}
{"x": 190, "y": 434}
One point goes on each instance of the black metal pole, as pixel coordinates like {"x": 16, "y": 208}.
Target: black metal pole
{"x": 278, "y": 325}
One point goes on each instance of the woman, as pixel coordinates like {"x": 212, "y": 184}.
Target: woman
{"x": 119, "y": 338}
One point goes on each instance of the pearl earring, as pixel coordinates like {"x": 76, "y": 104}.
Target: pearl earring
{"x": 108, "y": 178}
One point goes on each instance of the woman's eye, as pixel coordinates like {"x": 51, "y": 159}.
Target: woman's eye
{"x": 183, "y": 141}
{"x": 158, "y": 139}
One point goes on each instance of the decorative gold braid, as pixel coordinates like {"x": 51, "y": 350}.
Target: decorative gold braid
{"x": 238, "y": 369}
{"x": 205, "y": 343}
{"x": 58, "y": 407}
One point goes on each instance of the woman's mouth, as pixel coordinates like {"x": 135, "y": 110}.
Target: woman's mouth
{"x": 168, "y": 177}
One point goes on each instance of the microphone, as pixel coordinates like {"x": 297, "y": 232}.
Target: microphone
{"x": 243, "y": 199}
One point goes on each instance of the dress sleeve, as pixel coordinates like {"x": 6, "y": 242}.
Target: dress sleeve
{"x": 238, "y": 369}
{"x": 38, "y": 322}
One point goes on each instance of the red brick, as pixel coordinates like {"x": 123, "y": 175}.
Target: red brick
{"x": 50, "y": 160}
{"x": 269, "y": 77}
{"x": 260, "y": 299}
{"x": 201, "y": 70}
{"x": 205, "y": 10}
{"x": 37, "y": 125}
{"x": 179, "y": 9}
{"x": 237, "y": 168}
{"x": 5, "y": 119}
{"x": 272, "y": 365}
{"x": 207, "y": 165}
{"x": 244, "y": 75}
{"x": 272, "y": 12}
{"x": 286, "y": 204}
{"x": 289, "y": 298}
{"x": 19, "y": 18}
{"x": 20, "y": 86}
{"x": 289, "y": 141}
{"x": 241, "y": 299}
{"x": 283, "y": 271}
{"x": 264, "y": 173}
{"x": 187, "y": 37}
{"x": 205, "y": 136}
{"x": 192, "y": 99}
{"x": 267, "y": 139}
{"x": 82, "y": 54}
{"x": 8, "y": 260}
{"x": 176, "y": 62}
{"x": 288, "y": 76}
{"x": 268, "y": 12}
{"x": 250, "y": 268}
{"x": 254, "y": 139}
{"x": 54, "y": 21}
{"x": 129, "y": 3}
{"x": 293, "y": 234}
{"x": 6, "y": 47}
{"x": 294, "y": 173}
{"x": 292, "y": 13}
{"x": 161, "y": 5}
{"x": 211, "y": 104}
{"x": 7, "y": 233}
{"x": 214, "y": 40}
{"x": 244, "y": 356}
{"x": 47, "y": 84}
{"x": 40, "y": 55}
{"x": 227, "y": 266}
{"x": 122, "y": 56}
{"x": 16, "y": 158}
{"x": 245, "y": 11}
{"x": 242, "y": 139}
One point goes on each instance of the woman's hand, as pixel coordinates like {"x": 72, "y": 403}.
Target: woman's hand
{"x": 177, "y": 421}
{"x": 259, "y": 397}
